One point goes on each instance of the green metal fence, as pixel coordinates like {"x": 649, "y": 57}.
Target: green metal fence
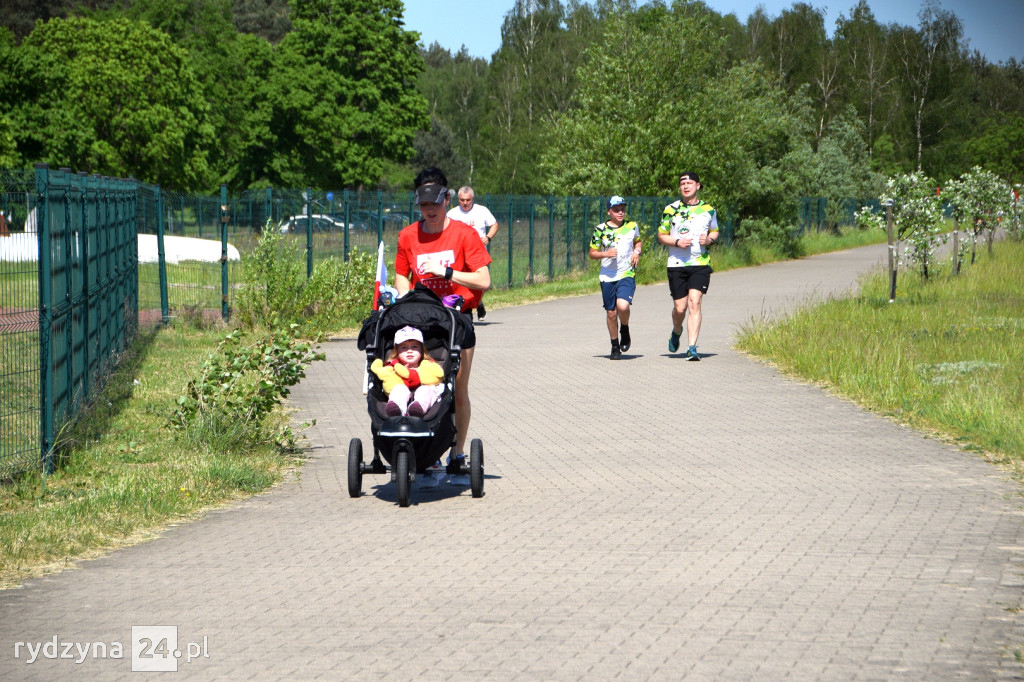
{"x": 67, "y": 313}
{"x": 540, "y": 237}
{"x": 815, "y": 213}
{"x": 19, "y": 329}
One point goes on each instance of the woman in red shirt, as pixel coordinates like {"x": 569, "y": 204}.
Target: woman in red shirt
{"x": 448, "y": 257}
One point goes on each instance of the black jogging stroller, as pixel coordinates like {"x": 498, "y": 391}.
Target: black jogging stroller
{"x": 410, "y": 445}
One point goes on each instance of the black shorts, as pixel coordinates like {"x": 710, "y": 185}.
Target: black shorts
{"x": 681, "y": 280}
{"x": 469, "y": 333}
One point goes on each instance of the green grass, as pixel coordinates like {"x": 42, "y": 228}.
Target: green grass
{"x": 123, "y": 476}
{"x": 947, "y": 356}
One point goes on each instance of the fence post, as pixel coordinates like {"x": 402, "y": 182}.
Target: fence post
{"x": 530, "y": 241}
{"x": 568, "y": 235}
{"x": 224, "y": 217}
{"x": 380, "y": 215}
{"x": 45, "y": 318}
{"x": 309, "y": 233}
{"x": 586, "y": 224}
{"x": 87, "y": 303}
{"x": 551, "y": 238}
{"x": 412, "y": 206}
{"x": 161, "y": 255}
{"x": 68, "y": 305}
{"x": 348, "y": 225}
{"x": 956, "y": 245}
{"x": 511, "y": 223}
{"x": 268, "y": 210}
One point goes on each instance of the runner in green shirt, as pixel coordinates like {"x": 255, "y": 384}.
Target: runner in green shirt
{"x": 616, "y": 243}
{"x": 688, "y": 227}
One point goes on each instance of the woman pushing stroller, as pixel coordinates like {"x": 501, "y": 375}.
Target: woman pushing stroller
{"x": 448, "y": 257}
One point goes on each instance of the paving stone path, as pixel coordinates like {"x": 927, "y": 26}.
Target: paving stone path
{"x": 650, "y": 518}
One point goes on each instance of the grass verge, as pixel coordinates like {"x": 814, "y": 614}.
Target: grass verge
{"x": 123, "y": 476}
{"x": 946, "y": 357}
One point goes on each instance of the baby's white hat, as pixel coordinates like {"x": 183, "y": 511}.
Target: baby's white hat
{"x": 407, "y": 333}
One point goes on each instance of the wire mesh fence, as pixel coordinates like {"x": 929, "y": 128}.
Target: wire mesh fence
{"x": 19, "y": 329}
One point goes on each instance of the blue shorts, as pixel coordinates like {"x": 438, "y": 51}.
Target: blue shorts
{"x": 623, "y": 288}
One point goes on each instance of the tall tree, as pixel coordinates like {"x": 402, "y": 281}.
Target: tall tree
{"x": 456, "y": 90}
{"x": 790, "y": 44}
{"x": 114, "y": 97}
{"x": 530, "y": 81}
{"x": 868, "y": 70}
{"x": 657, "y": 105}
{"x": 9, "y": 157}
{"x": 220, "y": 59}
{"x": 436, "y": 148}
{"x": 925, "y": 57}
{"x": 342, "y": 97}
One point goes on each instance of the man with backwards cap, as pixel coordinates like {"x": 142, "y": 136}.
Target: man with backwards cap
{"x": 448, "y": 257}
{"x": 616, "y": 243}
{"x": 688, "y": 227}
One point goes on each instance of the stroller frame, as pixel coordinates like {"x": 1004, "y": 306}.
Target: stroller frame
{"x": 410, "y": 445}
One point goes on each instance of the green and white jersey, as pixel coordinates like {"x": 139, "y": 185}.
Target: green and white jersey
{"x": 681, "y": 220}
{"x": 623, "y": 237}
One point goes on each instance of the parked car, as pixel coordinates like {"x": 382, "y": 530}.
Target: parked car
{"x": 367, "y": 220}
{"x": 321, "y": 223}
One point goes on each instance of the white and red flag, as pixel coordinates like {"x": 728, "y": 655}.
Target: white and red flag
{"x": 381, "y": 283}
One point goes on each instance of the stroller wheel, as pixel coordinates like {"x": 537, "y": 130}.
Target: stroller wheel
{"x": 476, "y": 467}
{"x": 402, "y": 477}
{"x": 355, "y": 468}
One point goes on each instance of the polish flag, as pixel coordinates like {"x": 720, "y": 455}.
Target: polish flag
{"x": 382, "y": 277}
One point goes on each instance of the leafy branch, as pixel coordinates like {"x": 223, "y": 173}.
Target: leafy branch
{"x": 240, "y": 384}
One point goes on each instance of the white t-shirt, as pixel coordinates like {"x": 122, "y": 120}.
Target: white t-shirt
{"x": 478, "y": 217}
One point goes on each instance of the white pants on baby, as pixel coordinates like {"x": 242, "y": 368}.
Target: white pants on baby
{"x": 426, "y": 396}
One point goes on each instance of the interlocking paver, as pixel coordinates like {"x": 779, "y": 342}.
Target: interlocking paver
{"x": 650, "y": 518}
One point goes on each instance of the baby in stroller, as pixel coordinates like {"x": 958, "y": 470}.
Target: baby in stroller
{"x": 409, "y": 373}
{"x": 413, "y": 443}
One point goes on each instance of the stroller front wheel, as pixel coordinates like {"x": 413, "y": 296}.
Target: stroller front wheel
{"x": 355, "y": 468}
{"x": 402, "y": 476}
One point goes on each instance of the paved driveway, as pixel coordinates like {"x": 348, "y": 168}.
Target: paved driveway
{"x": 644, "y": 519}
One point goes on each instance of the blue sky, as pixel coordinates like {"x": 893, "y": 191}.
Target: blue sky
{"x": 995, "y": 27}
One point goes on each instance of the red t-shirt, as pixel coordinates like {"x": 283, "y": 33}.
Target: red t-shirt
{"x": 457, "y": 246}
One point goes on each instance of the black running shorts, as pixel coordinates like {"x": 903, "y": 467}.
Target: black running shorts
{"x": 682, "y": 279}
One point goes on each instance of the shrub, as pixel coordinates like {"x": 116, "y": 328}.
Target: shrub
{"x": 272, "y": 282}
{"x": 239, "y": 386}
{"x": 765, "y": 232}
{"x": 275, "y": 287}
{"x": 338, "y": 294}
